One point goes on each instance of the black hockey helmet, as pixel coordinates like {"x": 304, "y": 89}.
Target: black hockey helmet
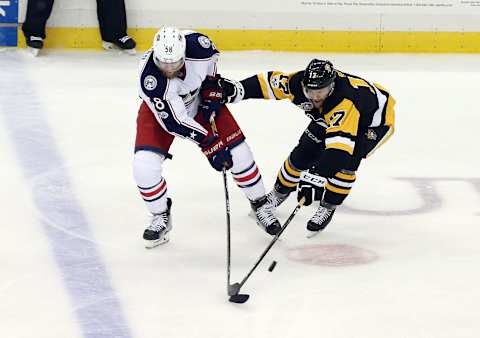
{"x": 318, "y": 74}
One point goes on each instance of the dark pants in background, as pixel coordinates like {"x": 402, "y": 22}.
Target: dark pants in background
{"x": 112, "y": 18}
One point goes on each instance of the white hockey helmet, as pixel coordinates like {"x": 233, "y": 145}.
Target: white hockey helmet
{"x": 169, "y": 47}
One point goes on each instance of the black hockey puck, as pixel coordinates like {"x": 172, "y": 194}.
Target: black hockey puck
{"x": 272, "y": 266}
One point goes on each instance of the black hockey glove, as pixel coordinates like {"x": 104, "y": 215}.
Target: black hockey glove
{"x": 233, "y": 91}
{"x": 310, "y": 187}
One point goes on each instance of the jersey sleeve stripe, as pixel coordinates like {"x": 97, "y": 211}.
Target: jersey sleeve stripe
{"x": 271, "y": 91}
{"x": 264, "y": 85}
{"x": 379, "y": 113}
{"x": 185, "y": 123}
{"x": 390, "y": 112}
{"x": 341, "y": 143}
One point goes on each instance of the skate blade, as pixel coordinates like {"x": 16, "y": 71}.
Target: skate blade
{"x": 311, "y": 234}
{"x": 238, "y": 298}
{"x": 155, "y": 243}
{"x": 33, "y": 51}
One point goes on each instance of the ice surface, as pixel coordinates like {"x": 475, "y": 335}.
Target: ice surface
{"x": 401, "y": 259}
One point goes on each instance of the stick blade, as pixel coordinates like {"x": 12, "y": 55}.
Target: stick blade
{"x": 239, "y": 298}
{"x": 233, "y": 289}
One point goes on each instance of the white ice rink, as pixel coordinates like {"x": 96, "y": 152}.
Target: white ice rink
{"x": 401, "y": 259}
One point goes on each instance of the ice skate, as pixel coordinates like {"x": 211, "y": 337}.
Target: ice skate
{"x": 34, "y": 44}
{"x": 320, "y": 219}
{"x": 264, "y": 216}
{"x": 125, "y": 44}
{"x": 157, "y": 232}
{"x": 275, "y": 198}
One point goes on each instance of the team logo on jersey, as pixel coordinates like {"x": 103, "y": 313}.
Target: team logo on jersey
{"x": 281, "y": 82}
{"x": 371, "y": 135}
{"x": 150, "y": 82}
{"x": 162, "y": 114}
{"x": 204, "y": 41}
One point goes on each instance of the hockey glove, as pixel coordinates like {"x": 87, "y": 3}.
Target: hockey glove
{"x": 310, "y": 187}
{"x": 233, "y": 91}
{"x": 217, "y": 152}
{"x": 212, "y": 98}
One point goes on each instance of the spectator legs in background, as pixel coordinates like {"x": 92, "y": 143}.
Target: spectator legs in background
{"x": 112, "y": 19}
{"x": 38, "y": 12}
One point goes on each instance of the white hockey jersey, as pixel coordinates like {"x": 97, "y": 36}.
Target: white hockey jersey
{"x": 174, "y": 102}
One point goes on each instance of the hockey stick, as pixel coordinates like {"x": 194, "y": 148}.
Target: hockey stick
{"x": 235, "y": 288}
{"x": 231, "y": 289}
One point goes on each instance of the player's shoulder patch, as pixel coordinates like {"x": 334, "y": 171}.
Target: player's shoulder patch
{"x": 150, "y": 82}
{"x": 204, "y": 41}
{"x": 199, "y": 46}
{"x": 280, "y": 81}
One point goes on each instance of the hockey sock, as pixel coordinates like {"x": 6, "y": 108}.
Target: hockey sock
{"x": 287, "y": 178}
{"x": 338, "y": 187}
{"x": 147, "y": 169}
{"x": 246, "y": 173}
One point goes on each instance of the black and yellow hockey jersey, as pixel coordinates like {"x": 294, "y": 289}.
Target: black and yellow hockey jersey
{"x": 354, "y": 106}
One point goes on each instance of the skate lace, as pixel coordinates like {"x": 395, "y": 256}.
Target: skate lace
{"x": 275, "y": 199}
{"x": 35, "y": 38}
{"x": 321, "y": 215}
{"x": 124, "y": 39}
{"x": 159, "y": 222}
{"x": 265, "y": 214}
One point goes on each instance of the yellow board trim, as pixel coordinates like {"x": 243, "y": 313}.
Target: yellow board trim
{"x": 287, "y": 40}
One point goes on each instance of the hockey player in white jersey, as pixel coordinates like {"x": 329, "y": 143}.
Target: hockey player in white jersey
{"x": 175, "y": 104}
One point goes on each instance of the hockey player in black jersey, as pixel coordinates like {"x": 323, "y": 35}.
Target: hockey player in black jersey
{"x": 350, "y": 118}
